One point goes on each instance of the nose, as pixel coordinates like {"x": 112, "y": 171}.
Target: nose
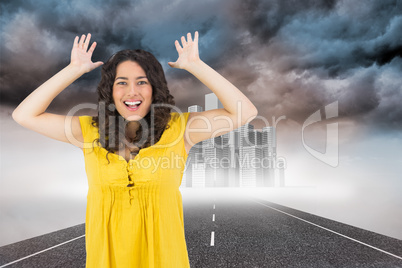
{"x": 132, "y": 89}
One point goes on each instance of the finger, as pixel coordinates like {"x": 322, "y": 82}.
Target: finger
{"x": 196, "y": 38}
{"x": 189, "y": 38}
{"x": 81, "y": 41}
{"x": 86, "y": 43}
{"x": 92, "y": 48}
{"x": 178, "y": 47}
{"x": 75, "y": 41}
{"x": 172, "y": 64}
{"x": 183, "y": 41}
{"x": 98, "y": 63}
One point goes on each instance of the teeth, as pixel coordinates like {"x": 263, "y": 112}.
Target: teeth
{"x": 132, "y": 102}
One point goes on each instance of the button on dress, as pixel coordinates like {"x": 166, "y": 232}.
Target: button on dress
{"x": 134, "y": 215}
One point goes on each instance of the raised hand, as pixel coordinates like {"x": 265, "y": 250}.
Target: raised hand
{"x": 188, "y": 52}
{"x": 81, "y": 55}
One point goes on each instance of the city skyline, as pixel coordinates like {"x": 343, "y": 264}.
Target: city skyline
{"x": 244, "y": 157}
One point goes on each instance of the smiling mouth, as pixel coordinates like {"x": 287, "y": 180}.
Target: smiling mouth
{"x": 132, "y": 105}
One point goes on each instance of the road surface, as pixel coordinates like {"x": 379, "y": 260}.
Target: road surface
{"x": 241, "y": 232}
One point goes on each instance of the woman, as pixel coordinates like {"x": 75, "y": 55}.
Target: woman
{"x": 134, "y": 212}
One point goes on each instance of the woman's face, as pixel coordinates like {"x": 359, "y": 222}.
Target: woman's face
{"x": 132, "y": 92}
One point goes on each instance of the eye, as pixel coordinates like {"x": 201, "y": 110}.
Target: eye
{"x": 121, "y": 83}
{"x": 142, "y": 82}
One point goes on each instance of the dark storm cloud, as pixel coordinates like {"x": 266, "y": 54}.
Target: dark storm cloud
{"x": 38, "y": 37}
{"x": 363, "y": 98}
{"x": 311, "y": 53}
{"x": 290, "y": 57}
{"x": 265, "y": 18}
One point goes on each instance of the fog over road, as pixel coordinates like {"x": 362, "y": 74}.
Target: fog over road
{"x": 236, "y": 232}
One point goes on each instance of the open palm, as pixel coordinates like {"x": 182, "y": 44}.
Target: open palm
{"x": 81, "y": 55}
{"x": 188, "y": 52}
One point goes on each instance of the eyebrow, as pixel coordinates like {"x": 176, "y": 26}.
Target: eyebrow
{"x": 125, "y": 78}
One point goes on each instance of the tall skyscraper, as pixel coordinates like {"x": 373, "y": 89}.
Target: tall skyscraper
{"x": 281, "y": 171}
{"x": 269, "y": 155}
{"x": 251, "y": 172}
{"x": 255, "y": 137}
{"x": 244, "y": 132}
{"x": 194, "y": 108}
{"x": 244, "y": 140}
{"x": 194, "y": 156}
{"x": 269, "y": 141}
{"x": 228, "y": 159}
{"x": 212, "y": 102}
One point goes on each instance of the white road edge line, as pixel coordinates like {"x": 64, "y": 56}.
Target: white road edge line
{"x": 212, "y": 239}
{"x": 7, "y": 264}
{"x": 386, "y": 252}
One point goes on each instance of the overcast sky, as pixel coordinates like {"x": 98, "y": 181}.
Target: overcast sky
{"x": 289, "y": 57}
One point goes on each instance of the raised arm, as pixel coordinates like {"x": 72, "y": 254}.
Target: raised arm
{"x": 237, "y": 111}
{"x": 31, "y": 114}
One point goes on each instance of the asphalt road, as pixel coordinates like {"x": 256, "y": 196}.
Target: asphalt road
{"x": 235, "y": 233}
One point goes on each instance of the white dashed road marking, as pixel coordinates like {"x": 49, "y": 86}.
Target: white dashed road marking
{"x": 213, "y": 233}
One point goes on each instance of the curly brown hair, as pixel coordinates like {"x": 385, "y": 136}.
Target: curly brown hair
{"x": 111, "y": 124}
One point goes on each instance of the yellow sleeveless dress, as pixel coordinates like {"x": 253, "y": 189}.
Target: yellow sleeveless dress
{"x": 134, "y": 215}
